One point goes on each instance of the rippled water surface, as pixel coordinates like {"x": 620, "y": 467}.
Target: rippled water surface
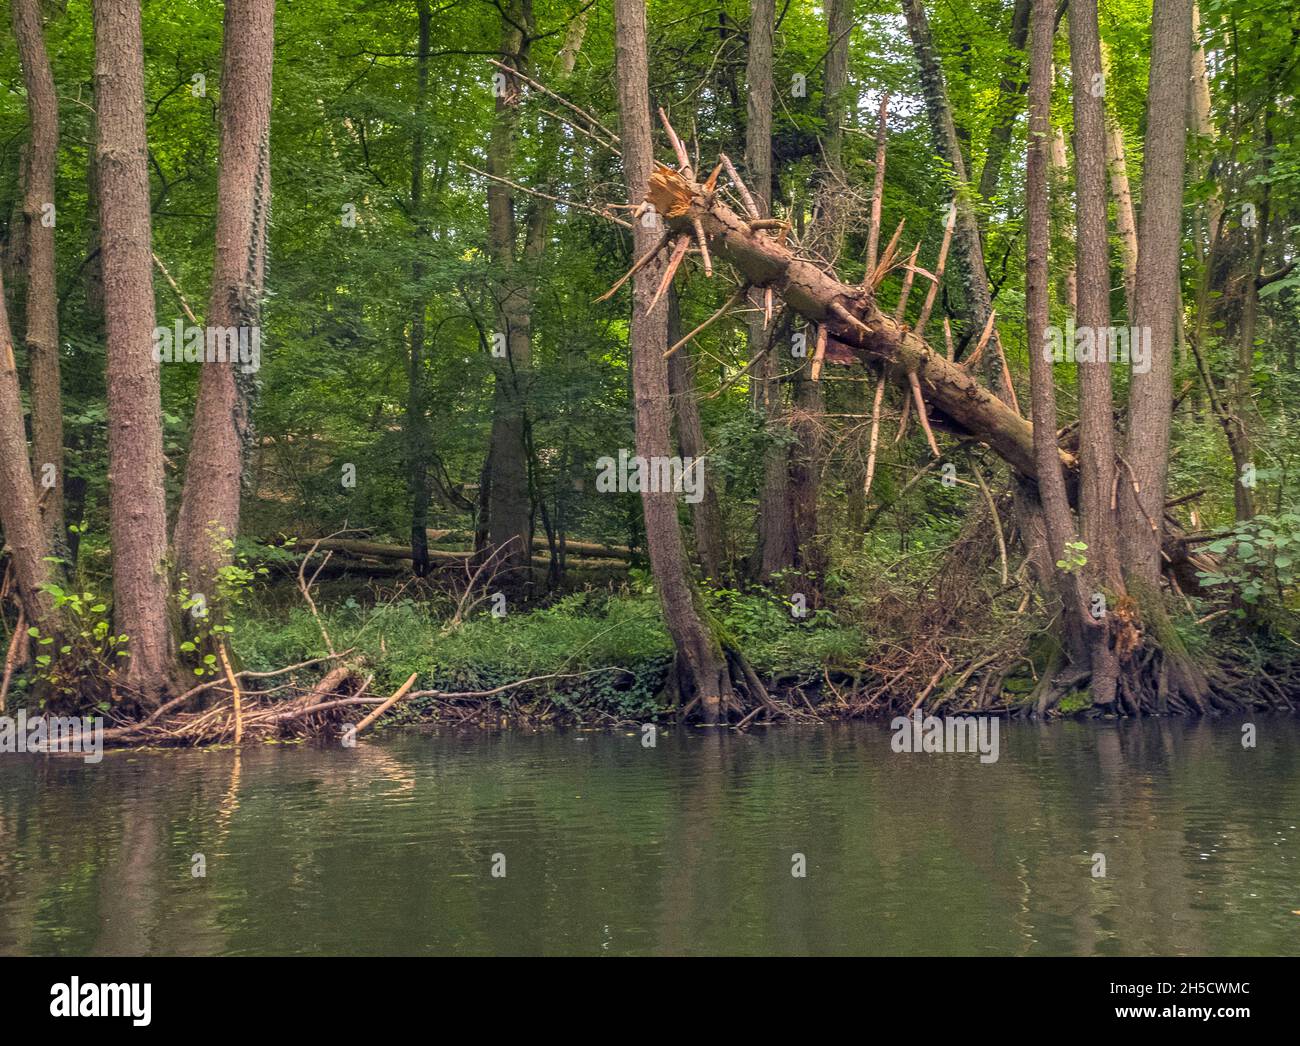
{"x": 613, "y": 848}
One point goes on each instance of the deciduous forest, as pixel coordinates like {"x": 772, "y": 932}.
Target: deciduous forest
{"x": 716, "y": 361}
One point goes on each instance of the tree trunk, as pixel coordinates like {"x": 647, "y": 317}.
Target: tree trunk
{"x": 417, "y": 428}
{"x": 19, "y": 516}
{"x": 42, "y": 295}
{"x": 208, "y": 521}
{"x": 509, "y": 503}
{"x": 1157, "y": 292}
{"x": 137, "y": 505}
{"x": 1122, "y": 194}
{"x": 706, "y": 515}
{"x": 701, "y": 664}
{"x": 776, "y": 547}
{"x": 1100, "y": 523}
{"x": 1047, "y": 457}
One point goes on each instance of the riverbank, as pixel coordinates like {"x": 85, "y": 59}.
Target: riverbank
{"x": 602, "y": 657}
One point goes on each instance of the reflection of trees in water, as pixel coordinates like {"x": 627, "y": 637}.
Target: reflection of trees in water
{"x": 681, "y": 848}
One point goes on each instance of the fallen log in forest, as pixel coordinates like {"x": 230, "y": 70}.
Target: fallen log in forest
{"x": 379, "y": 550}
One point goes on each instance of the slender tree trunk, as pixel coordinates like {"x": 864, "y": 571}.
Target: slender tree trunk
{"x": 1100, "y": 523}
{"x": 42, "y": 295}
{"x": 1060, "y": 186}
{"x": 776, "y": 549}
{"x": 706, "y": 515}
{"x": 1122, "y": 193}
{"x": 137, "y": 506}
{"x": 19, "y": 516}
{"x": 510, "y": 524}
{"x": 1157, "y": 293}
{"x": 701, "y": 663}
{"x": 208, "y": 521}
{"x": 417, "y": 429}
{"x": 1047, "y": 456}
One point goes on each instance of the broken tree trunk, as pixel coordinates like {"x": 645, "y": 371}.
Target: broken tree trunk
{"x": 851, "y": 316}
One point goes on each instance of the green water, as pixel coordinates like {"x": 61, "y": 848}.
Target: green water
{"x": 613, "y": 848}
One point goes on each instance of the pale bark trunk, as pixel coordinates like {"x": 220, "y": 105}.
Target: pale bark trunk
{"x": 137, "y": 506}
{"x": 700, "y": 660}
{"x": 208, "y": 520}
{"x": 42, "y": 305}
{"x": 1156, "y": 293}
{"x": 19, "y": 515}
{"x": 1122, "y": 193}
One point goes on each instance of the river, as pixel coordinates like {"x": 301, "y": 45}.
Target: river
{"x": 591, "y": 843}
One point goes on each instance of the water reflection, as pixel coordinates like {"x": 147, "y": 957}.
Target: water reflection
{"x": 612, "y": 848}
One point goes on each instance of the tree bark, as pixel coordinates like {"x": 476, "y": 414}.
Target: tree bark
{"x": 706, "y": 515}
{"x": 1100, "y": 523}
{"x": 42, "y": 306}
{"x": 1047, "y": 458}
{"x": 1157, "y": 292}
{"x": 20, "y": 517}
{"x": 776, "y": 548}
{"x": 137, "y": 506}
{"x": 208, "y": 520}
{"x": 701, "y": 663}
{"x": 509, "y": 504}
{"x": 416, "y": 428}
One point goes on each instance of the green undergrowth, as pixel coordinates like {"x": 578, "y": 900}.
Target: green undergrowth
{"x": 621, "y": 634}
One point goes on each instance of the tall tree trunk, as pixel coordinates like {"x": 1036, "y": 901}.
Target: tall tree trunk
{"x": 1047, "y": 456}
{"x": 208, "y": 521}
{"x": 706, "y": 515}
{"x": 19, "y": 516}
{"x": 137, "y": 505}
{"x": 776, "y": 548}
{"x": 1100, "y": 523}
{"x": 416, "y": 428}
{"x": 1121, "y": 192}
{"x": 509, "y": 503}
{"x": 701, "y": 663}
{"x": 42, "y": 295}
{"x": 1157, "y": 293}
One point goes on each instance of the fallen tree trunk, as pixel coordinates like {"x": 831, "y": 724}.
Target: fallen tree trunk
{"x": 850, "y": 316}
{"x": 579, "y": 549}
{"x": 379, "y": 550}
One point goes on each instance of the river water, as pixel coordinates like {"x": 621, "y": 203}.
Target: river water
{"x": 609, "y": 847}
